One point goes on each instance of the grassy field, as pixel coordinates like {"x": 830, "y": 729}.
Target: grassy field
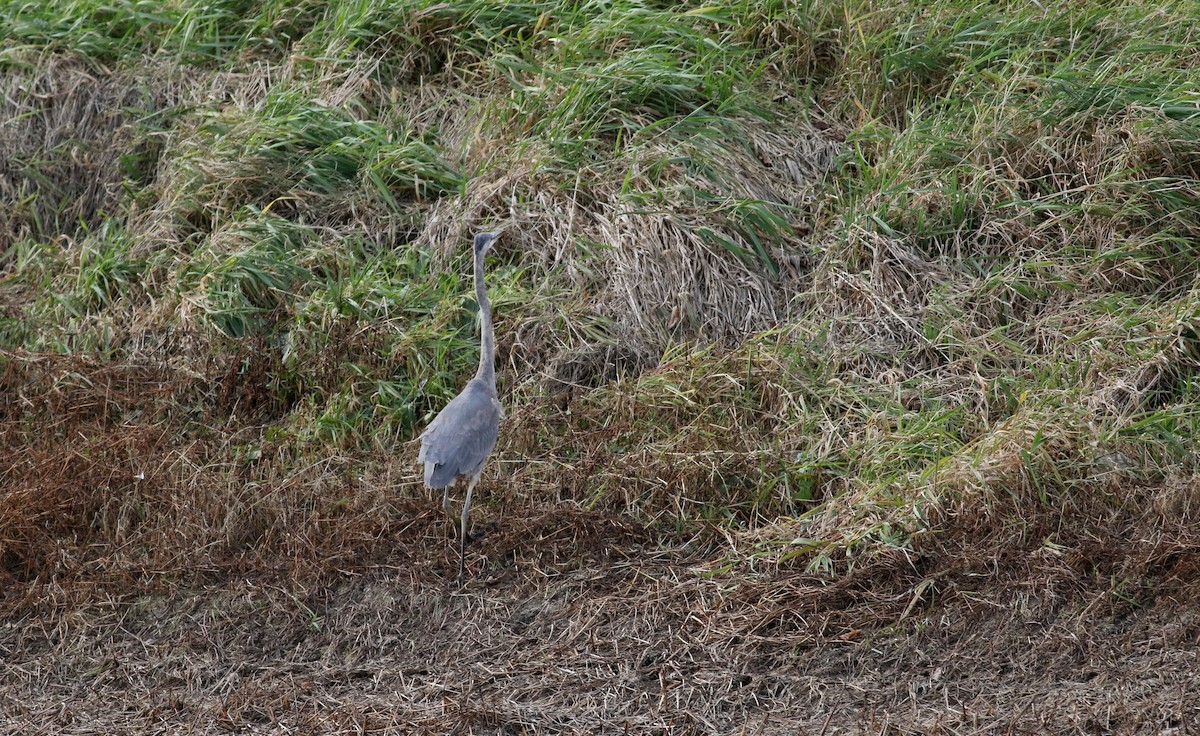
{"x": 847, "y": 347}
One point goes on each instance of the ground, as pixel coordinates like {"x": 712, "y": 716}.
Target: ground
{"x": 570, "y": 624}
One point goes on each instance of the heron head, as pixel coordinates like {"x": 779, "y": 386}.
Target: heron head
{"x": 484, "y": 241}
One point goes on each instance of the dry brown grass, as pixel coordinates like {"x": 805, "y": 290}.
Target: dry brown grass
{"x": 215, "y": 594}
{"x": 644, "y": 265}
{"x": 580, "y": 624}
{"x": 65, "y": 129}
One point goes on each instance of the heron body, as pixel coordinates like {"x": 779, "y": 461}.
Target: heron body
{"x": 458, "y": 441}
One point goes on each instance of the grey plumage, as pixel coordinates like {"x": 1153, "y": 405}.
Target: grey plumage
{"x": 458, "y": 441}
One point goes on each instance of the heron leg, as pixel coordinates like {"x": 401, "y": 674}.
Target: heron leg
{"x": 446, "y": 500}
{"x": 466, "y": 522}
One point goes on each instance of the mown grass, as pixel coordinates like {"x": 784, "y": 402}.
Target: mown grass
{"x": 991, "y": 291}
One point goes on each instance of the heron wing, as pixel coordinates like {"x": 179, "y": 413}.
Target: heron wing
{"x": 461, "y": 436}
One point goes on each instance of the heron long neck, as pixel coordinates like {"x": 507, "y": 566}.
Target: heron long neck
{"x": 487, "y": 351}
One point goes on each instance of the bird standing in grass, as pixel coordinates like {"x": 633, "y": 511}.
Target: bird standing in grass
{"x": 458, "y": 441}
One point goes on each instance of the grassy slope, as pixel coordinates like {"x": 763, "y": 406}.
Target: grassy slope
{"x": 228, "y": 308}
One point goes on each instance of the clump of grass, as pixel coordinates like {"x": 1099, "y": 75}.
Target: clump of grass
{"x": 108, "y": 31}
{"x": 245, "y": 277}
{"x": 293, "y": 150}
{"x": 106, "y": 270}
{"x": 69, "y": 137}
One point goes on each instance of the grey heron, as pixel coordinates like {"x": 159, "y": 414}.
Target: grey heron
{"x": 458, "y": 441}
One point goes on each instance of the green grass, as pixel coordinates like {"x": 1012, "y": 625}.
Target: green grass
{"x": 992, "y": 292}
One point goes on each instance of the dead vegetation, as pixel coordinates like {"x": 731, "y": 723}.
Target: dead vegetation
{"x": 67, "y": 144}
{"x": 577, "y": 623}
{"x": 218, "y": 593}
